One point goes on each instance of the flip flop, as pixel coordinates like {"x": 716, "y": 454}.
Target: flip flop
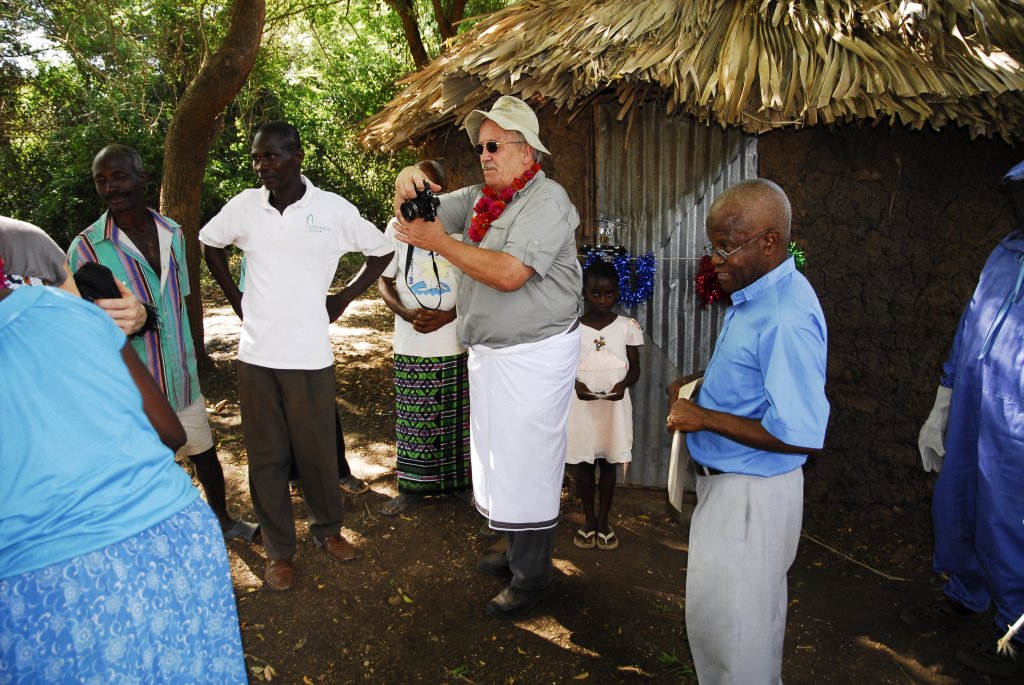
{"x": 397, "y": 505}
{"x": 607, "y": 540}
{"x": 353, "y": 485}
{"x": 584, "y": 538}
{"x": 242, "y": 530}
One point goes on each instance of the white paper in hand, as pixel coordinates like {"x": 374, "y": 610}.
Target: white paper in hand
{"x": 677, "y": 466}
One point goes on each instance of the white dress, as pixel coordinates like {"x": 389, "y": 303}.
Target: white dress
{"x": 602, "y": 428}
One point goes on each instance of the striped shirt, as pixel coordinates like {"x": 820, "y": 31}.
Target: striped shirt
{"x": 168, "y": 352}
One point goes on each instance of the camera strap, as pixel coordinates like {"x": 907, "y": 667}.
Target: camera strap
{"x": 408, "y": 278}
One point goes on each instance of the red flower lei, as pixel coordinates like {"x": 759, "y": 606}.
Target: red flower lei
{"x": 489, "y": 207}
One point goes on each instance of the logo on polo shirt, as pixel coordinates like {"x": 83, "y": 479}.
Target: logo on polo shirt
{"x": 313, "y": 227}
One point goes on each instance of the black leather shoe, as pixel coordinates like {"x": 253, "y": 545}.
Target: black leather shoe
{"x": 494, "y": 564}
{"x": 513, "y": 602}
{"x": 982, "y": 655}
{"x": 941, "y": 613}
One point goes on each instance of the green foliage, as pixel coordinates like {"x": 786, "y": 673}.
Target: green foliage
{"x": 325, "y": 70}
{"x": 678, "y": 669}
{"x": 89, "y": 74}
{"x": 76, "y": 75}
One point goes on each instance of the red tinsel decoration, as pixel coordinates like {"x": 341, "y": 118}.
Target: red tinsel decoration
{"x": 709, "y": 290}
{"x": 489, "y": 207}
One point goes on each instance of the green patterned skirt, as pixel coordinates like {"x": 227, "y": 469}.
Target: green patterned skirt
{"x": 432, "y": 424}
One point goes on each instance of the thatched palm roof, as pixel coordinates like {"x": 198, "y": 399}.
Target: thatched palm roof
{"x": 755, "y": 64}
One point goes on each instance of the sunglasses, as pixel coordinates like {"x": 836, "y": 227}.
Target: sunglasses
{"x": 493, "y": 145}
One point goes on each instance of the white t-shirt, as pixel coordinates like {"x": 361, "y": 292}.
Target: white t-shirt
{"x": 414, "y": 279}
{"x": 291, "y": 259}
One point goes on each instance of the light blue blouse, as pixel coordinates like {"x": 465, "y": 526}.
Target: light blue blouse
{"x": 82, "y": 466}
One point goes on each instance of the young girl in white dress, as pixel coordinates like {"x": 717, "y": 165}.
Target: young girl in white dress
{"x": 601, "y": 421}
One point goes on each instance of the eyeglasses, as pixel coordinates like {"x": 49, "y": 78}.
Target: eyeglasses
{"x": 493, "y": 145}
{"x": 709, "y": 250}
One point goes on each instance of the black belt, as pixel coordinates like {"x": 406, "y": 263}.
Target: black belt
{"x": 707, "y": 470}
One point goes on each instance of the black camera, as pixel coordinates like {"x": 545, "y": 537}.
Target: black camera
{"x": 95, "y": 281}
{"x": 423, "y": 206}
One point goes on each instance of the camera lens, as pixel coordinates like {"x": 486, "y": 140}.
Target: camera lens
{"x": 409, "y": 210}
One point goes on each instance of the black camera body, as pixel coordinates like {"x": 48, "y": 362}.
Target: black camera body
{"x": 423, "y": 206}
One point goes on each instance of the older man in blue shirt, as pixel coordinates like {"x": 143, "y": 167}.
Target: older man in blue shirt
{"x": 761, "y": 409}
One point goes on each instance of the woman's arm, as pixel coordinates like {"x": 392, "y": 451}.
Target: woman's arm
{"x": 158, "y": 410}
{"x": 389, "y": 294}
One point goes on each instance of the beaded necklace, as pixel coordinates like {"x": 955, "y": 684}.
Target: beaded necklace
{"x": 489, "y": 207}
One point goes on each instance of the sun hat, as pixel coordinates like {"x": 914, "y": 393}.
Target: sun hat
{"x": 512, "y": 114}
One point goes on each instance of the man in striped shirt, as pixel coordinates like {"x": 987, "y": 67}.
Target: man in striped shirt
{"x": 146, "y": 253}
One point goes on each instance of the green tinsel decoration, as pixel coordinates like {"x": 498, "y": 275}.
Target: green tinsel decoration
{"x": 798, "y": 256}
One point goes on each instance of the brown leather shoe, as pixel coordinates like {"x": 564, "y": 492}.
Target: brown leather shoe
{"x": 280, "y": 574}
{"x": 338, "y": 548}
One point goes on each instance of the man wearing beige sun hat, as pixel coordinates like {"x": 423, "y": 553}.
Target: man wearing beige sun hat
{"x": 518, "y": 305}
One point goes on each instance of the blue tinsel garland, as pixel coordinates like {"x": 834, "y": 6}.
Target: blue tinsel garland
{"x": 636, "y": 280}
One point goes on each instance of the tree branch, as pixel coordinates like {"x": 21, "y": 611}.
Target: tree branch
{"x": 407, "y": 13}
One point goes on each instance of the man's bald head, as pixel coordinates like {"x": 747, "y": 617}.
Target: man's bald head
{"x": 748, "y": 229}
{"x": 755, "y": 204}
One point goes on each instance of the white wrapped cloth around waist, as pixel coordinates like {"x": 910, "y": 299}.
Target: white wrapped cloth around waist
{"x": 519, "y": 405}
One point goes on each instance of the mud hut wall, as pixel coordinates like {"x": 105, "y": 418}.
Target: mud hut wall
{"x": 896, "y": 226}
{"x": 571, "y": 161}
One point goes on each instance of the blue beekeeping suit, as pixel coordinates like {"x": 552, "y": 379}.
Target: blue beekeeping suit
{"x": 978, "y": 503}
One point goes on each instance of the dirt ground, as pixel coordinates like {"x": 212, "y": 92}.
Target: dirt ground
{"x": 410, "y": 608}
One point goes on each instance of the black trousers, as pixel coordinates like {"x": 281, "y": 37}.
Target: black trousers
{"x": 529, "y": 557}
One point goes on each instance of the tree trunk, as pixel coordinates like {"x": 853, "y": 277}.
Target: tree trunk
{"x": 411, "y": 27}
{"x": 193, "y": 129}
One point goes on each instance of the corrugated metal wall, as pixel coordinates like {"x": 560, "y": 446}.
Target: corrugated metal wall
{"x": 654, "y": 187}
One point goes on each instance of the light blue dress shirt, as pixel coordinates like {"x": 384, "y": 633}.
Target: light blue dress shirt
{"x": 769, "y": 365}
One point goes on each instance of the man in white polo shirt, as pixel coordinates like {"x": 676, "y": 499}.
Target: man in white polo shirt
{"x": 292, "y": 234}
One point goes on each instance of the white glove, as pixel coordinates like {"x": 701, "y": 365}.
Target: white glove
{"x": 931, "y": 439}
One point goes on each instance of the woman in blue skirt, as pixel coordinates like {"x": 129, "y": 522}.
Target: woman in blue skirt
{"x": 112, "y": 570}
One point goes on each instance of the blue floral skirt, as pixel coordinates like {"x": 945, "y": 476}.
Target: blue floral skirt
{"x": 158, "y": 607}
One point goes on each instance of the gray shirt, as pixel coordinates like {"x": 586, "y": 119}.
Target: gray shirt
{"x": 30, "y": 253}
{"x": 539, "y": 229}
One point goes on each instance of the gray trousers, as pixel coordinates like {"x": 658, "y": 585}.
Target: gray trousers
{"x": 529, "y": 557}
{"x": 743, "y": 539}
{"x": 286, "y": 412}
